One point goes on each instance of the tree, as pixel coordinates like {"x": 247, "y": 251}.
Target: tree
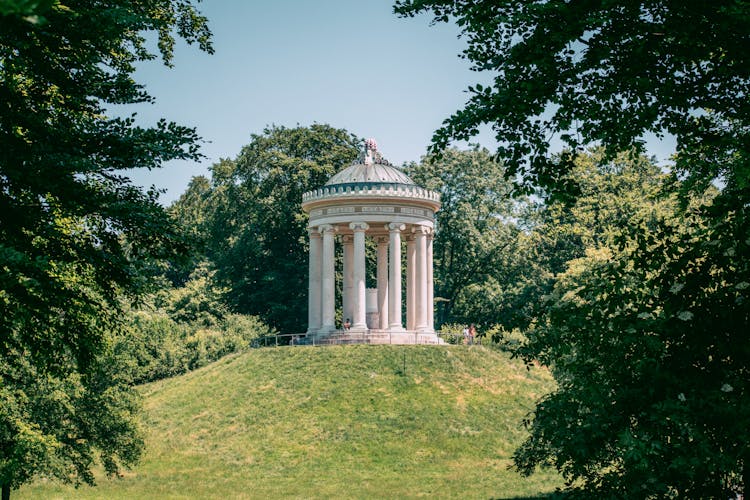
{"x": 192, "y": 212}
{"x": 75, "y": 235}
{"x": 632, "y": 326}
{"x": 644, "y": 338}
{"x": 610, "y": 193}
{"x": 476, "y": 231}
{"x": 258, "y": 229}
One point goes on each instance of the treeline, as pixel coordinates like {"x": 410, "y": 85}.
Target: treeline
{"x": 246, "y": 222}
{"x": 496, "y": 254}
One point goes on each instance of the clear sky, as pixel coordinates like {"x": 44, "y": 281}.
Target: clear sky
{"x": 349, "y": 63}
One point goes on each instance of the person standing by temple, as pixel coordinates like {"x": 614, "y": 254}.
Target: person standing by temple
{"x": 472, "y": 333}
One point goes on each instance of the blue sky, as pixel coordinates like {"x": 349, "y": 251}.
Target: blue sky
{"x": 349, "y": 63}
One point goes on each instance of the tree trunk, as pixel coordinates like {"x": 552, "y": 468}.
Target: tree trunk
{"x": 6, "y": 492}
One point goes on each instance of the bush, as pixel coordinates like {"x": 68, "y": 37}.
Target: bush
{"x": 508, "y": 340}
{"x": 453, "y": 333}
{"x": 150, "y": 346}
{"x": 242, "y": 329}
{"x": 155, "y": 346}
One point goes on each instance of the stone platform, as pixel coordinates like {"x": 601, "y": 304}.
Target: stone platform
{"x": 379, "y": 337}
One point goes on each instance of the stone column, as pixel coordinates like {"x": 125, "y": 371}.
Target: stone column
{"x": 430, "y": 283}
{"x": 383, "y": 282}
{"x": 348, "y": 272}
{"x": 359, "y": 320}
{"x": 394, "y": 280}
{"x": 328, "y": 279}
{"x": 313, "y": 289}
{"x": 420, "y": 279}
{"x": 410, "y": 290}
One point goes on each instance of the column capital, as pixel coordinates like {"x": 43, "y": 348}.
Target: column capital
{"x": 421, "y": 230}
{"x": 346, "y": 238}
{"x": 395, "y": 227}
{"x": 326, "y": 228}
{"x": 359, "y": 226}
{"x": 313, "y": 232}
{"x": 382, "y": 240}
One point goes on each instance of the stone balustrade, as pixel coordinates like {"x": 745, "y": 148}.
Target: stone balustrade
{"x": 367, "y": 189}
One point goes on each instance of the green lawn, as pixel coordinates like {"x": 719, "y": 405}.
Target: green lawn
{"x": 333, "y": 422}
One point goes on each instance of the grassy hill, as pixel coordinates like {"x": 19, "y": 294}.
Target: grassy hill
{"x": 344, "y": 421}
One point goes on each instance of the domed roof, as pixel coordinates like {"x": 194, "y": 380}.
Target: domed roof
{"x": 373, "y": 179}
{"x": 370, "y": 167}
{"x": 376, "y": 172}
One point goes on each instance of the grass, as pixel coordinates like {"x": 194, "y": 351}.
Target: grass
{"x": 334, "y": 422}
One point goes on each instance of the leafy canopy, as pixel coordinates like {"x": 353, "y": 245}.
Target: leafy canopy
{"x": 645, "y": 335}
{"x": 610, "y": 193}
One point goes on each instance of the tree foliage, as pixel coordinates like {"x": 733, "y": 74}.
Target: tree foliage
{"x": 75, "y": 234}
{"x": 191, "y": 212}
{"x": 183, "y": 328}
{"x": 610, "y": 193}
{"x": 646, "y": 340}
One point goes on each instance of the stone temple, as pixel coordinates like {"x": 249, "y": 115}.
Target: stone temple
{"x": 372, "y": 199}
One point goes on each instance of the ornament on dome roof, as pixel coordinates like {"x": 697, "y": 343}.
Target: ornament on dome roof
{"x": 371, "y": 149}
{"x": 372, "y": 155}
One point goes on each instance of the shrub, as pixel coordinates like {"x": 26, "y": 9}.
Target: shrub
{"x": 155, "y": 346}
{"x": 453, "y": 333}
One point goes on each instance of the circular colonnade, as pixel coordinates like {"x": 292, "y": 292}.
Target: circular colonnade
{"x": 372, "y": 199}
